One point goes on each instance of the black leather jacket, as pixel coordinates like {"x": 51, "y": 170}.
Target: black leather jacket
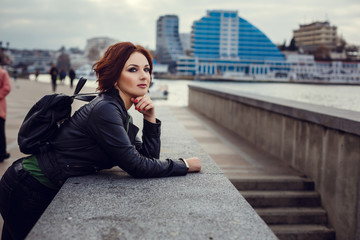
{"x": 101, "y": 135}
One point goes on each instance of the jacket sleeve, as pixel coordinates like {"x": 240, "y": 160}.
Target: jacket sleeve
{"x": 106, "y": 124}
{"x": 5, "y": 84}
{"x": 151, "y": 143}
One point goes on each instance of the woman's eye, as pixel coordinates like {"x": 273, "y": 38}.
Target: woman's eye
{"x": 132, "y": 70}
{"x": 147, "y": 69}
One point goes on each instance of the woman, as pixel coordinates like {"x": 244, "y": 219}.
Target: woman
{"x": 5, "y": 88}
{"x": 100, "y": 135}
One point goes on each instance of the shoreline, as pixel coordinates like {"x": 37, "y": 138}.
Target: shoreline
{"x": 220, "y": 79}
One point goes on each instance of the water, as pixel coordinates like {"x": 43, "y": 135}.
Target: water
{"x": 337, "y": 96}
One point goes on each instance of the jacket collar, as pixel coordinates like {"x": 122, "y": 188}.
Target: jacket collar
{"x": 114, "y": 92}
{"x": 133, "y": 130}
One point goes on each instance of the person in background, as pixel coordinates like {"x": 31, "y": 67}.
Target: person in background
{"x": 53, "y": 73}
{"x": 5, "y": 88}
{"x": 62, "y": 76}
{"x": 15, "y": 74}
{"x": 100, "y": 135}
{"x": 71, "y": 76}
{"x": 36, "y": 75}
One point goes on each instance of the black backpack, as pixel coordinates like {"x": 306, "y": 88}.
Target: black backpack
{"x": 45, "y": 117}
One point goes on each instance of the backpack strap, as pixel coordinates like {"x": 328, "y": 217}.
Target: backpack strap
{"x": 80, "y": 85}
{"x": 87, "y": 97}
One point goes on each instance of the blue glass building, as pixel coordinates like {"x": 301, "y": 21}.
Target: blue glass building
{"x": 223, "y": 43}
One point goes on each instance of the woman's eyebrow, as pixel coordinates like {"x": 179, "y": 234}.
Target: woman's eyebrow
{"x": 135, "y": 65}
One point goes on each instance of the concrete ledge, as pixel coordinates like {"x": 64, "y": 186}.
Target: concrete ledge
{"x": 321, "y": 142}
{"x": 112, "y": 205}
{"x": 343, "y": 120}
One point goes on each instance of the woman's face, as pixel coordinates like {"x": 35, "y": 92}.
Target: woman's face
{"x": 134, "y": 79}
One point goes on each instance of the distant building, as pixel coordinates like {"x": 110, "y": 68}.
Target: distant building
{"x": 305, "y": 68}
{"x": 309, "y": 37}
{"x": 225, "y": 44}
{"x": 39, "y": 60}
{"x": 96, "y": 47}
{"x": 302, "y": 66}
{"x": 185, "y": 39}
{"x": 159, "y": 68}
{"x": 168, "y": 44}
{"x": 78, "y": 59}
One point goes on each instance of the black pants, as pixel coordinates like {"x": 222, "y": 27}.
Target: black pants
{"x": 53, "y": 83}
{"x": 71, "y": 82}
{"x": 23, "y": 199}
{"x": 2, "y": 138}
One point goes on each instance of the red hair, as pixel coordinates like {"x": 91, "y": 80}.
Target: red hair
{"x": 108, "y": 69}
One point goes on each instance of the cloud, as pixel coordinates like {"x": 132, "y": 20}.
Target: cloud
{"x": 53, "y": 23}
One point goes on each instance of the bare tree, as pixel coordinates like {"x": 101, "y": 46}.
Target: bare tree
{"x": 63, "y": 62}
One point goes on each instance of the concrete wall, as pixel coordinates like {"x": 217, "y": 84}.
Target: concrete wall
{"x": 321, "y": 142}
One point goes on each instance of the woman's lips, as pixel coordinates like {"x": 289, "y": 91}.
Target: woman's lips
{"x": 142, "y": 85}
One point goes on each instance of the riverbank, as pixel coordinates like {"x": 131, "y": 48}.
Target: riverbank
{"x": 331, "y": 95}
{"x": 248, "y": 79}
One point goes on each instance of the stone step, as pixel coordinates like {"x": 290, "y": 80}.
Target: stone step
{"x": 272, "y": 183}
{"x": 293, "y": 215}
{"x": 265, "y": 199}
{"x": 303, "y": 232}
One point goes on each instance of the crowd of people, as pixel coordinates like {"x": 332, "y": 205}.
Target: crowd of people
{"x": 55, "y": 74}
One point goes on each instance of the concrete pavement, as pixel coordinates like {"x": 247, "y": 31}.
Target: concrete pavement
{"x": 233, "y": 155}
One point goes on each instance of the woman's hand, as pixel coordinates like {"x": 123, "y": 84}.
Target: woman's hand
{"x": 145, "y": 106}
{"x": 194, "y": 164}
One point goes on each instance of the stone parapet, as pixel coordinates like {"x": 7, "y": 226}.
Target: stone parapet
{"x": 321, "y": 142}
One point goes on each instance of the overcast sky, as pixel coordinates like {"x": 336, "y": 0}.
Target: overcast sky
{"x": 50, "y": 24}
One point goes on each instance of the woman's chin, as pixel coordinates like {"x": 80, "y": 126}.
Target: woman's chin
{"x": 140, "y": 93}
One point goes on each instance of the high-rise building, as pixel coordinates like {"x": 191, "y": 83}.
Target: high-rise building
{"x": 310, "y": 37}
{"x": 168, "y": 44}
{"x": 224, "y": 42}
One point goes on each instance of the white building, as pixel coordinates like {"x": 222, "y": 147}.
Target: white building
{"x": 304, "y": 67}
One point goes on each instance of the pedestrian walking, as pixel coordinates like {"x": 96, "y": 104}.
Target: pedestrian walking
{"x": 71, "y": 76}
{"x": 15, "y": 74}
{"x": 5, "y": 88}
{"x": 62, "y": 76}
{"x": 36, "y": 75}
{"x": 53, "y": 73}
